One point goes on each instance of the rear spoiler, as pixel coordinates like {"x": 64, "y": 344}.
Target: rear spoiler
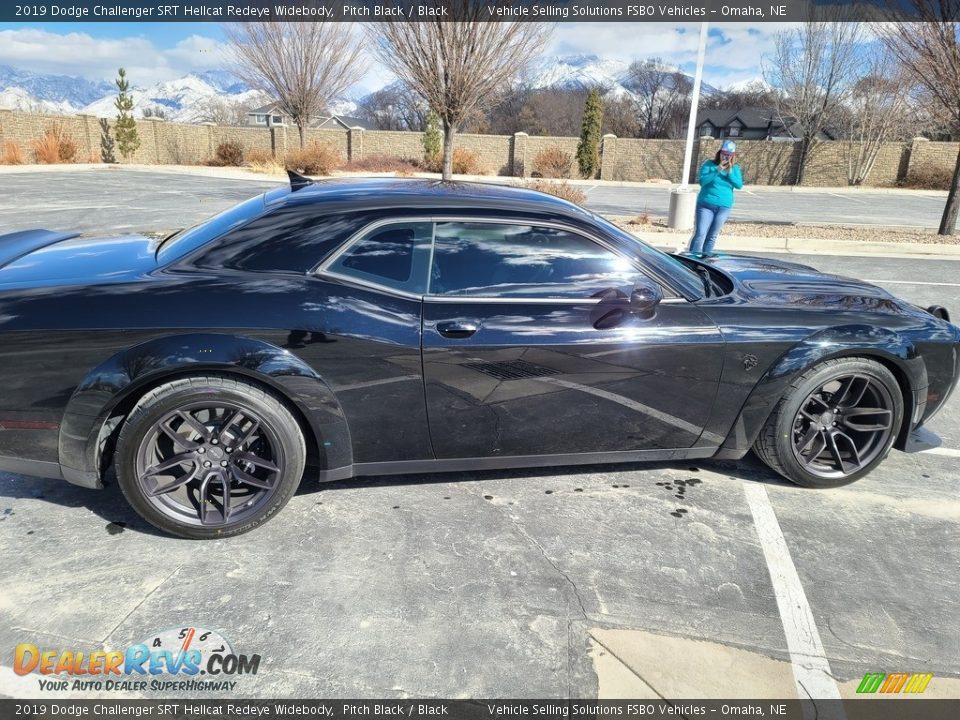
{"x": 14, "y": 246}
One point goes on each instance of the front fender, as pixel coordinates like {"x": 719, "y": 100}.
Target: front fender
{"x": 113, "y": 387}
{"x": 892, "y": 349}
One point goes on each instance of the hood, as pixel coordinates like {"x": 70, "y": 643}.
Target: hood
{"x": 779, "y": 282}
{"x": 78, "y": 260}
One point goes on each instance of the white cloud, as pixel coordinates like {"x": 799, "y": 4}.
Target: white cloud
{"x": 80, "y": 54}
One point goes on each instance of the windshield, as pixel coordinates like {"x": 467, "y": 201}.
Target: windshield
{"x": 182, "y": 242}
{"x": 668, "y": 268}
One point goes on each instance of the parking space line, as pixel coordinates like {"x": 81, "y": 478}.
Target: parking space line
{"x": 845, "y": 197}
{"x": 946, "y": 452}
{"x": 912, "y": 282}
{"x": 811, "y": 669}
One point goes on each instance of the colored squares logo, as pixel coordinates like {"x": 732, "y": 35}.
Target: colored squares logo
{"x": 900, "y": 682}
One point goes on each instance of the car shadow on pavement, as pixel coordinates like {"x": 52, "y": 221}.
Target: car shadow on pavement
{"x": 110, "y": 505}
{"x": 748, "y": 468}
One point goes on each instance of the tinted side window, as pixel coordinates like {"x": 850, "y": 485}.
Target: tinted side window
{"x": 499, "y": 260}
{"x": 396, "y": 256}
{"x": 292, "y": 239}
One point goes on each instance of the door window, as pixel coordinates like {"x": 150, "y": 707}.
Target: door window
{"x": 395, "y": 256}
{"x": 476, "y": 259}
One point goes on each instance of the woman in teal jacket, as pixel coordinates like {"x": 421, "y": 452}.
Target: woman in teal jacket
{"x": 718, "y": 179}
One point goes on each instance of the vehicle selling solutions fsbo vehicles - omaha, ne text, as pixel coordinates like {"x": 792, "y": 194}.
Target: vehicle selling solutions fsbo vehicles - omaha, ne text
{"x": 398, "y": 326}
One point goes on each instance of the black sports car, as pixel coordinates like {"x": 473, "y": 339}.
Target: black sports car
{"x": 400, "y": 326}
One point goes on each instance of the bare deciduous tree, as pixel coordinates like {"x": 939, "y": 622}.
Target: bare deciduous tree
{"x": 813, "y": 67}
{"x": 394, "y": 107}
{"x": 302, "y": 66}
{"x": 221, "y": 111}
{"x": 620, "y": 116}
{"x": 929, "y": 51}
{"x": 876, "y": 112}
{"x": 459, "y": 65}
{"x": 662, "y": 97}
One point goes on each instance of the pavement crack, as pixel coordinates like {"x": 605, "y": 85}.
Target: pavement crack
{"x": 629, "y": 669}
{"x": 142, "y": 601}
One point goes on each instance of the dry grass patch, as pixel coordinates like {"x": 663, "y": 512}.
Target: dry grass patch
{"x": 12, "y": 154}
{"x": 315, "y": 159}
{"x": 55, "y": 146}
{"x": 558, "y": 188}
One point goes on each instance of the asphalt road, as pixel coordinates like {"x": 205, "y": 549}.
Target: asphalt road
{"x": 127, "y": 200}
{"x": 535, "y": 583}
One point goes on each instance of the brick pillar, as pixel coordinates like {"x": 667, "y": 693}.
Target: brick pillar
{"x": 608, "y": 155}
{"x": 518, "y": 156}
{"x": 354, "y": 144}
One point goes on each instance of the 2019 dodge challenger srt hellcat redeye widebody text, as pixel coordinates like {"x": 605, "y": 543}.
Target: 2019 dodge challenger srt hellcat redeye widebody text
{"x": 396, "y": 326}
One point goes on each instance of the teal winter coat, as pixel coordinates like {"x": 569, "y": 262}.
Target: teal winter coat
{"x": 716, "y": 185}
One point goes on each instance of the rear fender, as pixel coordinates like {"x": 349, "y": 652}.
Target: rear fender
{"x": 888, "y": 347}
{"x": 111, "y": 389}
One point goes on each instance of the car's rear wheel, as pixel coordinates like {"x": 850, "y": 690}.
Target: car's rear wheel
{"x": 211, "y": 456}
{"x": 835, "y": 424}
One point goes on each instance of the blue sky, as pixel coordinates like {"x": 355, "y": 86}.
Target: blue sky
{"x": 153, "y": 52}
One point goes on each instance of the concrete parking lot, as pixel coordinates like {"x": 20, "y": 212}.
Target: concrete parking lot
{"x": 706, "y": 579}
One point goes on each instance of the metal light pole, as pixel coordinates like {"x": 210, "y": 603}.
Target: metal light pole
{"x": 683, "y": 200}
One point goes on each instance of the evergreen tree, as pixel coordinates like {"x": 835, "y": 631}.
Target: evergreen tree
{"x": 588, "y": 149}
{"x": 106, "y": 142}
{"x": 128, "y": 140}
{"x": 432, "y": 141}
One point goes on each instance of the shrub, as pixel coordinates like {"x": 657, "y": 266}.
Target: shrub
{"x": 315, "y": 159}
{"x": 552, "y": 163}
{"x": 227, "y": 154}
{"x": 928, "y": 179}
{"x": 561, "y": 189}
{"x": 55, "y": 146}
{"x": 382, "y": 164}
{"x": 432, "y": 143}
{"x": 258, "y": 156}
{"x": 12, "y": 154}
{"x": 465, "y": 162}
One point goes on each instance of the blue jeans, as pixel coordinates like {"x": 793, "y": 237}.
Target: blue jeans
{"x": 709, "y": 222}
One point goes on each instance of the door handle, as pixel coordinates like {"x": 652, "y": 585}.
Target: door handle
{"x": 457, "y": 329}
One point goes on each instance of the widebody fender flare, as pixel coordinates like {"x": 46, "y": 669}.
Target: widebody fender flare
{"x": 891, "y": 348}
{"x": 113, "y": 387}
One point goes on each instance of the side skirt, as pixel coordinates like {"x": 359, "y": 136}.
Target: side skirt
{"x": 407, "y": 467}
{"x": 36, "y": 468}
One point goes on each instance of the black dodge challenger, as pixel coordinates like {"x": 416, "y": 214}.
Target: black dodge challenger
{"x": 403, "y": 326}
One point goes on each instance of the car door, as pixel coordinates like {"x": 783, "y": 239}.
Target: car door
{"x": 528, "y": 348}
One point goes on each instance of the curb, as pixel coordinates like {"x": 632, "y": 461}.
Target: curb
{"x": 810, "y": 246}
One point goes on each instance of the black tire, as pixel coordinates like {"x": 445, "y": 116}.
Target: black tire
{"x": 790, "y": 442}
{"x": 178, "y": 468}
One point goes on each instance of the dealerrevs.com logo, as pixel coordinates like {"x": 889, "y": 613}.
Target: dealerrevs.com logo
{"x": 188, "y": 659}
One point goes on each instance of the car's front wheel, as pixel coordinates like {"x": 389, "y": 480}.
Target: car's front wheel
{"x": 835, "y": 424}
{"x": 211, "y": 456}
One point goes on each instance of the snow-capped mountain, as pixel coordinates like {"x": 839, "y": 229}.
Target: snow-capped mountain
{"x": 56, "y": 90}
{"x": 583, "y": 72}
{"x": 194, "y": 97}
{"x": 186, "y": 99}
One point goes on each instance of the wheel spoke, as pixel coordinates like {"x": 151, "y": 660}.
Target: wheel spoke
{"x": 256, "y": 460}
{"x": 254, "y": 426}
{"x": 225, "y": 500}
{"x": 818, "y": 448}
{"x": 808, "y": 438}
{"x": 238, "y": 415}
{"x": 834, "y": 450}
{"x": 875, "y": 426}
{"x": 171, "y": 486}
{"x": 248, "y": 479}
{"x": 854, "y": 451}
{"x": 178, "y": 439}
{"x": 181, "y": 459}
{"x": 204, "y": 500}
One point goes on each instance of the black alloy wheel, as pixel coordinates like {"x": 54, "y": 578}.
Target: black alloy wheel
{"x": 842, "y": 426}
{"x": 835, "y": 423}
{"x": 209, "y": 456}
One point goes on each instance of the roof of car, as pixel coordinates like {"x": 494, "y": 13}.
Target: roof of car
{"x": 414, "y": 192}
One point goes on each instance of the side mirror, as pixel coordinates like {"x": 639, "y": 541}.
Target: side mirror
{"x": 645, "y": 298}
